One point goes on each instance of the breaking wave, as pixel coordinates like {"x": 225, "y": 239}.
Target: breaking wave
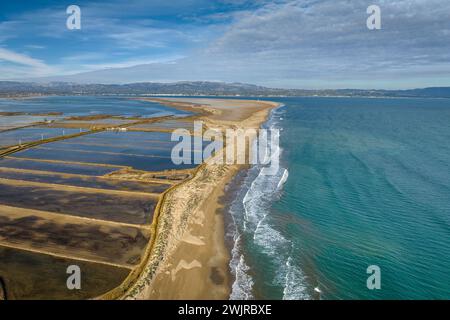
{"x": 253, "y": 227}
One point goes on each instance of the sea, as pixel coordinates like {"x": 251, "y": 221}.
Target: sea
{"x": 363, "y": 182}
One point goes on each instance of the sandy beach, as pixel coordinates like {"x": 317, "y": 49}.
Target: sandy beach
{"x": 188, "y": 258}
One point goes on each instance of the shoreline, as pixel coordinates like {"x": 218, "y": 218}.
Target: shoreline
{"x": 188, "y": 258}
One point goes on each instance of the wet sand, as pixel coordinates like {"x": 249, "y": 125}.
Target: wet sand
{"x": 189, "y": 258}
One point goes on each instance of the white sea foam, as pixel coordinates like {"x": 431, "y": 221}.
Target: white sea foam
{"x": 269, "y": 239}
{"x": 294, "y": 286}
{"x": 256, "y": 222}
{"x": 243, "y": 284}
{"x": 283, "y": 179}
{"x": 272, "y": 242}
{"x": 242, "y": 287}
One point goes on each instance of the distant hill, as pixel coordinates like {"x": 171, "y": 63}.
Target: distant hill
{"x": 199, "y": 88}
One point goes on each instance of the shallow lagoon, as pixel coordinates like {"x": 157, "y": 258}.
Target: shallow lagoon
{"x": 82, "y": 106}
{"x": 10, "y": 122}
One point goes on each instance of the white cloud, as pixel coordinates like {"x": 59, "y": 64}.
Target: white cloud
{"x": 17, "y": 65}
{"x": 297, "y": 43}
{"x": 34, "y": 46}
{"x": 130, "y": 63}
{"x": 326, "y": 43}
{"x": 14, "y": 57}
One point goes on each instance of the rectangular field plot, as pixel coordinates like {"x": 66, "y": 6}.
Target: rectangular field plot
{"x": 124, "y": 138}
{"x": 139, "y": 162}
{"x": 119, "y": 206}
{"x": 81, "y": 181}
{"x": 78, "y": 238}
{"x": 157, "y": 150}
{"x": 71, "y": 168}
{"x": 138, "y": 150}
{"x": 164, "y": 125}
{"x": 134, "y": 139}
{"x": 25, "y": 135}
{"x": 29, "y": 275}
{"x": 97, "y": 123}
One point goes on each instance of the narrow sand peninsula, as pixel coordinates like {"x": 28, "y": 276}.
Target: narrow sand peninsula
{"x": 188, "y": 258}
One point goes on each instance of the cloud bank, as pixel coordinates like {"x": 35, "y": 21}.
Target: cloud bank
{"x": 293, "y": 44}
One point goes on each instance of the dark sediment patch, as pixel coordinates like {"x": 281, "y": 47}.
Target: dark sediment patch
{"x": 112, "y": 207}
{"x": 216, "y": 276}
{"x": 3, "y": 293}
{"x": 29, "y": 275}
{"x": 68, "y": 236}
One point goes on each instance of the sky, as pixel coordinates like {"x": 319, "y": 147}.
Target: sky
{"x": 310, "y": 44}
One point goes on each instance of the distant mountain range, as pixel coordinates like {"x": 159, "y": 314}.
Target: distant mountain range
{"x": 199, "y": 88}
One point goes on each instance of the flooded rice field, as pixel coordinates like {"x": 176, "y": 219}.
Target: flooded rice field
{"x": 30, "y": 134}
{"x": 149, "y": 151}
{"x": 154, "y": 160}
{"x": 165, "y": 125}
{"x": 82, "y": 181}
{"x": 84, "y": 198}
{"x": 57, "y": 166}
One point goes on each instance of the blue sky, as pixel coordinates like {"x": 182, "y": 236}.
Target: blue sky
{"x": 285, "y": 43}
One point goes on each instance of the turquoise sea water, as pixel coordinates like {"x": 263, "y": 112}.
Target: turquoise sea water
{"x": 363, "y": 182}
